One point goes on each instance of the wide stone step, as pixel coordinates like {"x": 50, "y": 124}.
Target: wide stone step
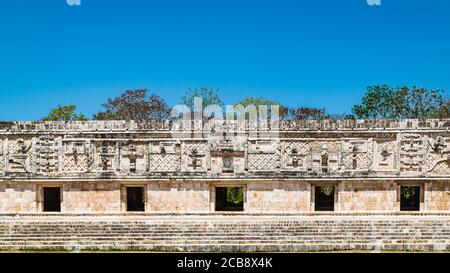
{"x": 80, "y": 234}
{"x": 348, "y": 231}
{"x": 209, "y": 241}
{"x": 56, "y": 226}
{"x": 224, "y": 235}
{"x": 233, "y": 247}
{"x": 24, "y": 232}
{"x": 329, "y": 235}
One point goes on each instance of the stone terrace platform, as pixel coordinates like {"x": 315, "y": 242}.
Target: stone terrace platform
{"x": 233, "y": 233}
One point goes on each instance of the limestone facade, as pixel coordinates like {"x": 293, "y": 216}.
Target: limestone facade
{"x": 93, "y": 163}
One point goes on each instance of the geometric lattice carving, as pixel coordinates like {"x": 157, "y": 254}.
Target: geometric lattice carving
{"x": 438, "y": 155}
{"x": 386, "y": 155}
{"x": 264, "y": 155}
{"x": 195, "y": 155}
{"x": 441, "y": 168}
{"x": 75, "y": 163}
{"x": 295, "y": 155}
{"x": 357, "y": 155}
{"x": 263, "y": 162}
{"x": 164, "y": 162}
{"x": 432, "y": 160}
{"x": 201, "y": 148}
{"x": 75, "y": 157}
{"x": 16, "y": 146}
{"x": 359, "y": 161}
{"x": 96, "y": 147}
{"x": 301, "y": 147}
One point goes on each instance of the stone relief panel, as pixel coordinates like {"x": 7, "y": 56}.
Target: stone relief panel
{"x": 47, "y": 154}
{"x": 263, "y": 162}
{"x": 263, "y": 156}
{"x": 164, "y": 157}
{"x": 20, "y": 155}
{"x": 132, "y": 158}
{"x": 105, "y": 159}
{"x": 407, "y": 152}
{"x": 386, "y": 155}
{"x": 295, "y": 155}
{"x": 438, "y": 155}
{"x": 195, "y": 156}
{"x": 411, "y": 152}
{"x": 441, "y": 168}
{"x": 357, "y": 154}
{"x": 2, "y": 159}
{"x": 76, "y": 156}
{"x": 227, "y": 155}
{"x": 324, "y": 156}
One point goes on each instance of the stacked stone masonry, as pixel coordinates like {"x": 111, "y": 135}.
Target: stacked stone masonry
{"x": 94, "y": 162}
{"x": 225, "y": 233}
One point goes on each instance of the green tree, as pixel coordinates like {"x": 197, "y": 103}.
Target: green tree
{"x": 386, "y": 102}
{"x": 408, "y": 192}
{"x": 327, "y": 190}
{"x": 134, "y": 105}
{"x": 258, "y": 101}
{"x": 64, "y": 113}
{"x": 209, "y": 96}
{"x": 307, "y": 113}
{"x": 235, "y": 195}
{"x": 425, "y": 103}
{"x": 444, "y": 111}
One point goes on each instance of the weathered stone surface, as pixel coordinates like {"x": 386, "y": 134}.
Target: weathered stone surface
{"x": 332, "y": 149}
{"x": 93, "y": 162}
{"x": 220, "y": 233}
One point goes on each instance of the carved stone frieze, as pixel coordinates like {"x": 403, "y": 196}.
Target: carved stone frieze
{"x": 300, "y": 149}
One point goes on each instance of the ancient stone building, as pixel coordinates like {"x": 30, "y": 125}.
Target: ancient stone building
{"x": 298, "y": 168}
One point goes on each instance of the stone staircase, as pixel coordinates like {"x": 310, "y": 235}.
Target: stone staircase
{"x": 225, "y": 234}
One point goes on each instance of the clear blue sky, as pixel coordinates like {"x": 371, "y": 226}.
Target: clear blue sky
{"x": 300, "y": 52}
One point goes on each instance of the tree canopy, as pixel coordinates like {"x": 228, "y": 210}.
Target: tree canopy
{"x": 307, "y": 113}
{"x": 379, "y": 102}
{"x": 258, "y": 101}
{"x": 64, "y": 113}
{"x": 134, "y": 105}
{"x": 386, "y": 102}
{"x": 208, "y": 95}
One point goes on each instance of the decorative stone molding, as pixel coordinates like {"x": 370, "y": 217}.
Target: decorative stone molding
{"x": 347, "y": 149}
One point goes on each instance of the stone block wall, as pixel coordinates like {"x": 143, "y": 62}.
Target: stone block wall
{"x": 127, "y": 150}
{"x": 17, "y": 197}
{"x": 367, "y": 196}
{"x": 437, "y": 196}
{"x": 89, "y": 197}
{"x": 285, "y": 196}
{"x": 178, "y": 196}
{"x": 109, "y": 196}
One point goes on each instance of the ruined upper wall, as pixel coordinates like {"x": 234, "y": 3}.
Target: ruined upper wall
{"x": 282, "y": 125}
{"x": 313, "y": 149}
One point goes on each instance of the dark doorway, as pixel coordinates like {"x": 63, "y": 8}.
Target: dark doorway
{"x": 229, "y": 199}
{"x": 410, "y": 198}
{"x": 52, "y": 199}
{"x": 324, "y": 198}
{"x": 135, "y": 199}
